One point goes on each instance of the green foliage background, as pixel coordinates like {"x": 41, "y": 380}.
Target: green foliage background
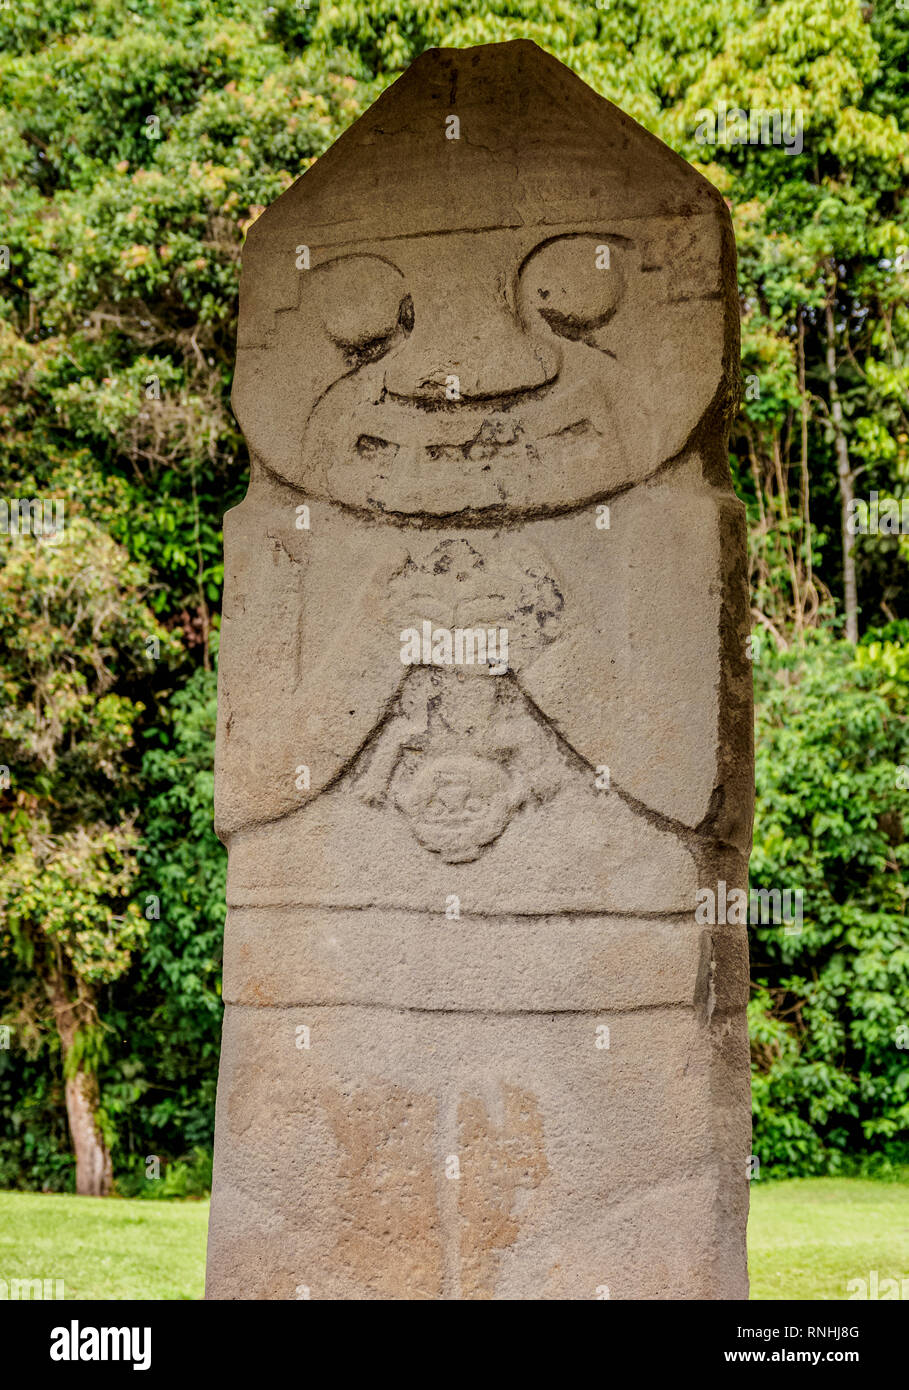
{"x": 138, "y": 140}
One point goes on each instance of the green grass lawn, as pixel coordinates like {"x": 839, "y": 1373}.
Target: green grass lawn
{"x": 105, "y": 1248}
{"x": 807, "y": 1238}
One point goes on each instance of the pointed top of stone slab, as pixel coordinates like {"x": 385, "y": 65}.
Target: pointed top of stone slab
{"x": 536, "y": 145}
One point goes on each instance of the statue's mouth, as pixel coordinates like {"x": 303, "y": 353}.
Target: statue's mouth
{"x": 499, "y": 439}
{"x": 396, "y": 457}
{"x": 389, "y": 426}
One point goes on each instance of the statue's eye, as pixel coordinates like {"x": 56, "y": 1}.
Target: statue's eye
{"x": 363, "y": 304}
{"x": 574, "y": 283}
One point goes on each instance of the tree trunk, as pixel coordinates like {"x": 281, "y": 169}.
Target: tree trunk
{"x": 94, "y": 1170}
{"x": 844, "y": 474}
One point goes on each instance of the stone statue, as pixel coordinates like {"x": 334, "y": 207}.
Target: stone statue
{"x": 485, "y": 714}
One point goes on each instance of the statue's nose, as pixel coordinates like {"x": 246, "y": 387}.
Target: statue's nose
{"x": 469, "y": 344}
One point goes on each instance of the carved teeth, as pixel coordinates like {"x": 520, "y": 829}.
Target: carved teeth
{"x": 498, "y": 429}
{"x": 370, "y": 446}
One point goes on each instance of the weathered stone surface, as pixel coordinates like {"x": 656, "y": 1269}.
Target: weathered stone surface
{"x": 476, "y": 1044}
{"x": 289, "y": 956}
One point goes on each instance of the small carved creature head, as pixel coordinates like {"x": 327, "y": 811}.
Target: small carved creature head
{"x": 457, "y": 804}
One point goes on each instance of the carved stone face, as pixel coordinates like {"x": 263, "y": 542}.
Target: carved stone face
{"x": 469, "y": 377}
{"x": 458, "y": 804}
{"x": 531, "y": 336}
{"x": 494, "y": 374}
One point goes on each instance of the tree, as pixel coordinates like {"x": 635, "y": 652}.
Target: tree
{"x": 70, "y": 608}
